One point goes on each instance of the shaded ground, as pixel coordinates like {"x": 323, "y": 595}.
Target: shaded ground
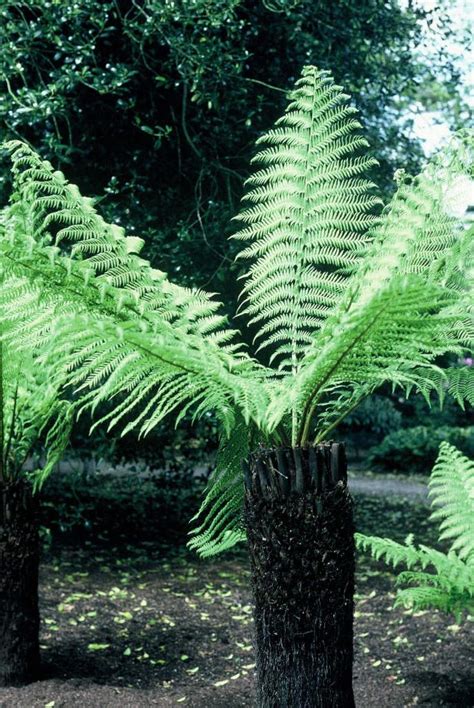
{"x": 147, "y": 624}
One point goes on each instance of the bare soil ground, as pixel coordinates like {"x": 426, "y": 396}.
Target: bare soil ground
{"x": 149, "y": 624}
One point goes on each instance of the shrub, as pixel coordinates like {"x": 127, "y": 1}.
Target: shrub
{"x": 415, "y": 449}
{"x": 368, "y": 424}
{"x": 129, "y": 501}
{"x": 376, "y": 414}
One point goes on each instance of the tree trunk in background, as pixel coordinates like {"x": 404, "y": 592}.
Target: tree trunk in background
{"x": 19, "y": 560}
{"x": 298, "y": 516}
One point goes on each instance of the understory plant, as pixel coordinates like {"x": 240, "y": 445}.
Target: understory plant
{"x": 436, "y": 580}
{"x": 415, "y": 449}
{"x": 342, "y": 293}
{"x": 31, "y": 409}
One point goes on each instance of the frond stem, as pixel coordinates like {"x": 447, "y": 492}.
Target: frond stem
{"x": 12, "y": 424}
{"x": 315, "y": 397}
{"x": 298, "y": 273}
{"x": 333, "y": 425}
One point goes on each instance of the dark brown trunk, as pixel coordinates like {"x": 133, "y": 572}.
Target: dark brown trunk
{"x": 299, "y": 521}
{"x": 19, "y": 559}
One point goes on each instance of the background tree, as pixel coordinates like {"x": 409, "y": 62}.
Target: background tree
{"x": 154, "y": 106}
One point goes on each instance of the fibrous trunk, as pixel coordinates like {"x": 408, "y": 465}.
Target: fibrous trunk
{"x": 298, "y": 516}
{"x": 19, "y": 558}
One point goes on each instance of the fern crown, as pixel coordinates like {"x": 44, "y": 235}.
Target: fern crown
{"x": 344, "y": 296}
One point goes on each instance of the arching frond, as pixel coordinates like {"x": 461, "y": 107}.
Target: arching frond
{"x": 122, "y": 330}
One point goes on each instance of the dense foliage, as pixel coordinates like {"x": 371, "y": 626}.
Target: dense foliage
{"x": 155, "y": 105}
{"x": 434, "y": 579}
{"x": 412, "y": 450}
{"x": 125, "y": 501}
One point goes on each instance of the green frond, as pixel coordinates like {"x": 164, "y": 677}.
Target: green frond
{"x": 307, "y": 214}
{"x": 220, "y": 515}
{"x": 455, "y": 381}
{"x": 406, "y": 304}
{"x": 390, "y": 551}
{"x": 113, "y": 317}
{"x": 31, "y": 407}
{"x": 461, "y": 384}
{"x": 452, "y": 493}
{"x": 443, "y": 581}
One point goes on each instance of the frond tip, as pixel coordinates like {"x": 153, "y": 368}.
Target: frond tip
{"x": 220, "y": 514}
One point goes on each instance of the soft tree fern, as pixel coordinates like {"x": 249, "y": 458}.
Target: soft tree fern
{"x": 345, "y": 296}
{"x": 32, "y": 410}
{"x": 443, "y": 581}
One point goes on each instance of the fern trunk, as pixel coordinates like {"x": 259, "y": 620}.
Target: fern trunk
{"x": 299, "y": 520}
{"x": 19, "y": 561}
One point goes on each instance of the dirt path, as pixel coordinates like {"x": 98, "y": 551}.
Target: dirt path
{"x": 382, "y": 486}
{"x": 359, "y": 483}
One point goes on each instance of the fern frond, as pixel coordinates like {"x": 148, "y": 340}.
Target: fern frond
{"x": 452, "y": 492}
{"x": 221, "y": 525}
{"x": 114, "y": 317}
{"x": 404, "y": 306}
{"x": 31, "y": 407}
{"x": 443, "y": 581}
{"x": 390, "y": 551}
{"x": 307, "y": 207}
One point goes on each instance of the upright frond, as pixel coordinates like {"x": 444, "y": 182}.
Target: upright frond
{"x": 410, "y": 301}
{"x": 307, "y": 212}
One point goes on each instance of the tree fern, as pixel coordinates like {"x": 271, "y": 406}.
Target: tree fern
{"x": 434, "y": 579}
{"x": 344, "y": 299}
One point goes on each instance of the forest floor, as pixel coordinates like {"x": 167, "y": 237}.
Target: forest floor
{"x": 149, "y": 624}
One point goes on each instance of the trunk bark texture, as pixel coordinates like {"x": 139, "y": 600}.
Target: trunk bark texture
{"x": 19, "y": 560}
{"x": 299, "y": 521}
